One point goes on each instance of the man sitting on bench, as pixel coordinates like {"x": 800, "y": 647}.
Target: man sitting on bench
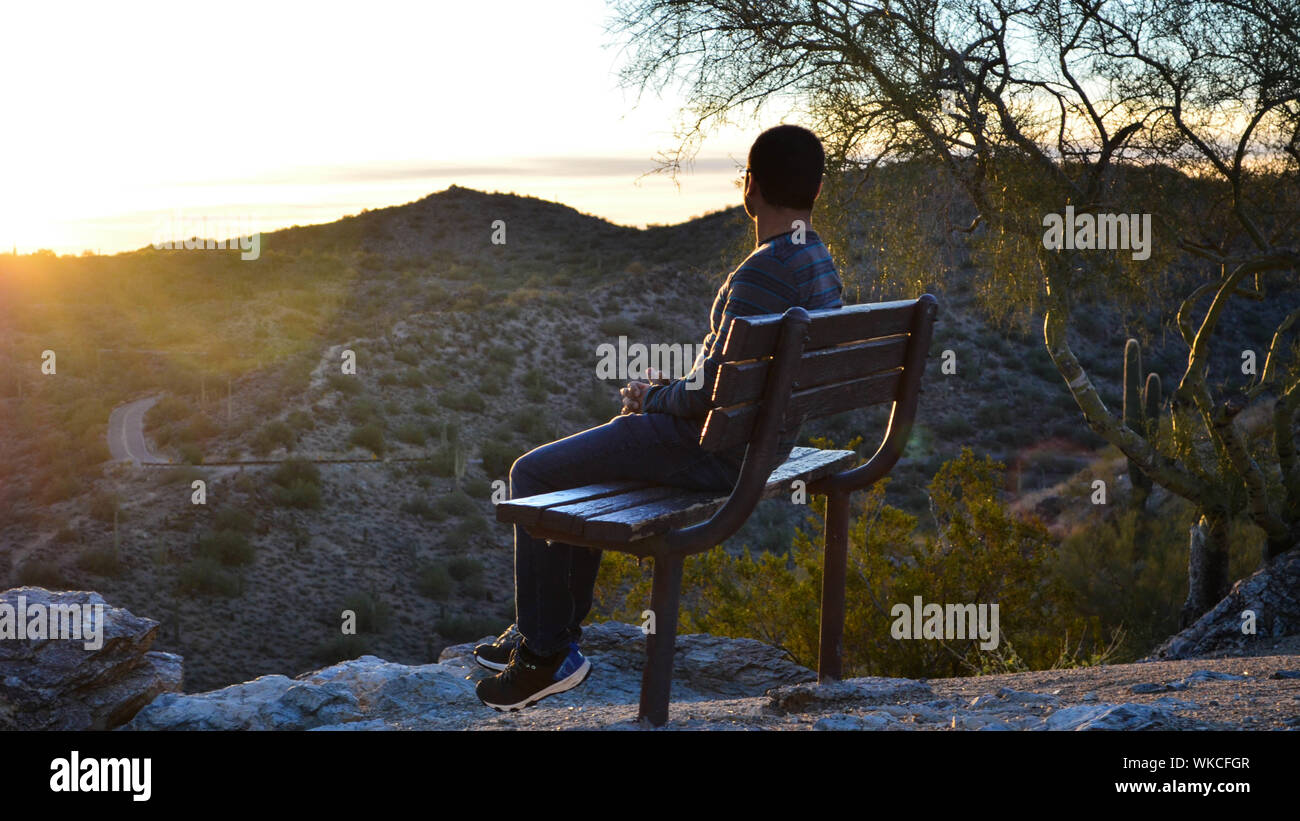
{"x": 656, "y": 437}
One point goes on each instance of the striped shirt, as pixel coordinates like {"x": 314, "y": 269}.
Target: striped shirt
{"x": 778, "y": 275}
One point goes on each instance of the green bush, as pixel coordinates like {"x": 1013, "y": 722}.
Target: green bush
{"x": 978, "y": 552}
{"x": 101, "y": 561}
{"x": 434, "y": 581}
{"x": 498, "y": 456}
{"x": 344, "y": 383}
{"x": 103, "y": 505}
{"x": 295, "y": 470}
{"x": 299, "y": 493}
{"x": 235, "y": 519}
{"x": 230, "y": 547}
{"x": 459, "y": 629}
{"x": 372, "y": 612}
{"x": 456, "y": 503}
{"x": 467, "y": 401}
{"x": 420, "y": 506}
{"x": 410, "y": 434}
{"x": 271, "y": 436}
{"x": 300, "y": 421}
{"x": 42, "y": 573}
{"x": 464, "y": 567}
{"x": 467, "y": 528}
{"x": 341, "y": 648}
{"x": 365, "y": 411}
{"x": 205, "y": 576}
{"x": 370, "y": 437}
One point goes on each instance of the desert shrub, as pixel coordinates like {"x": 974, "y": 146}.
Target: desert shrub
{"x": 478, "y": 488}
{"x": 344, "y": 383}
{"x": 464, "y": 567}
{"x": 456, "y": 503}
{"x": 293, "y": 470}
{"x": 419, "y": 506}
{"x": 372, "y": 612}
{"x": 408, "y": 356}
{"x": 434, "y": 581}
{"x": 234, "y": 519}
{"x": 206, "y": 577}
{"x": 467, "y": 529}
{"x": 978, "y": 552}
{"x": 42, "y": 573}
{"x": 103, "y": 505}
{"x": 298, "y": 493}
{"x": 58, "y": 485}
{"x": 300, "y": 421}
{"x": 410, "y": 434}
{"x": 230, "y": 547}
{"x": 618, "y": 326}
{"x": 101, "y": 561}
{"x": 66, "y": 535}
{"x": 468, "y": 628}
{"x": 370, "y": 437}
{"x": 468, "y": 401}
{"x": 498, "y": 456}
{"x": 365, "y": 411}
{"x": 442, "y": 462}
{"x": 341, "y": 648}
{"x": 412, "y": 378}
{"x": 271, "y": 436}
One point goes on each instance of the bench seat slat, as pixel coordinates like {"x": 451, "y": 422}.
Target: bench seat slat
{"x": 555, "y": 516}
{"x": 527, "y": 510}
{"x": 636, "y": 513}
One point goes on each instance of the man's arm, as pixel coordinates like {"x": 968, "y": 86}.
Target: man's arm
{"x": 756, "y": 288}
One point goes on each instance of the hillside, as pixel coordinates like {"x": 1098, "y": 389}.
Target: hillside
{"x": 467, "y": 354}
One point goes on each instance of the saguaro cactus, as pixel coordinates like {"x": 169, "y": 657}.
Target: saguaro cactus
{"x": 1133, "y": 410}
{"x": 1141, "y": 410}
{"x": 461, "y": 464}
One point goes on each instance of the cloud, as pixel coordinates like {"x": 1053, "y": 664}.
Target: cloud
{"x": 522, "y": 167}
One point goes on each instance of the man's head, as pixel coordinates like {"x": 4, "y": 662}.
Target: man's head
{"x": 785, "y": 170}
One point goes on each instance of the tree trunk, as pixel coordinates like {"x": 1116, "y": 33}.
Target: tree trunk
{"x": 1207, "y": 567}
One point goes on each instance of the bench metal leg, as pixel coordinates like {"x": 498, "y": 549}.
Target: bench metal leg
{"x": 834, "y": 570}
{"x": 657, "y": 677}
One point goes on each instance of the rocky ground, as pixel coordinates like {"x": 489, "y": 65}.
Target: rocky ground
{"x": 718, "y": 684}
{"x": 738, "y": 684}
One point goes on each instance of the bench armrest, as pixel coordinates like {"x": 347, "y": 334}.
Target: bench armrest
{"x": 903, "y": 413}
{"x": 759, "y": 455}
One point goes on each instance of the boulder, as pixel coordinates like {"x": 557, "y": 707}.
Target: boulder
{"x": 66, "y": 679}
{"x": 1272, "y": 593}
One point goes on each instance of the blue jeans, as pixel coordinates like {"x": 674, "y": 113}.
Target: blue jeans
{"x": 554, "y": 582}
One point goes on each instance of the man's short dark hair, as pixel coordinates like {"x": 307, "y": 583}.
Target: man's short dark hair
{"x": 787, "y": 164}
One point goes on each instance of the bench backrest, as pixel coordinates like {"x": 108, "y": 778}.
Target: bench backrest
{"x": 853, "y": 357}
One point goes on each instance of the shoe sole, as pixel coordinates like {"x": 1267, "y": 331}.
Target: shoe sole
{"x": 575, "y": 679}
{"x": 491, "y": 665}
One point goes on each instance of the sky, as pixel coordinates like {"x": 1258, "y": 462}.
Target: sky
{"x": 123, "y": 118}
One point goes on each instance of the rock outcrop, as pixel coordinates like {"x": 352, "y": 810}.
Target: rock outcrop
{"x": 1272, "y": 594}
{"x": 57, "y": 674}
{"x": 718, "y": 683}
{"x": 370, "y": 693}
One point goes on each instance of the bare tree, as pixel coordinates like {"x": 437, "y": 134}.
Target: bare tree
{"x": 1001, "y": 112}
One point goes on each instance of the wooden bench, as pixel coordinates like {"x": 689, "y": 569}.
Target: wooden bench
{"x": 778, "y": 371}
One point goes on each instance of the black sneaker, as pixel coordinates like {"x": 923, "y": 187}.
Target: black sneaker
{"x": 496, "y": 654}
{"x": 528, "y": 679}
